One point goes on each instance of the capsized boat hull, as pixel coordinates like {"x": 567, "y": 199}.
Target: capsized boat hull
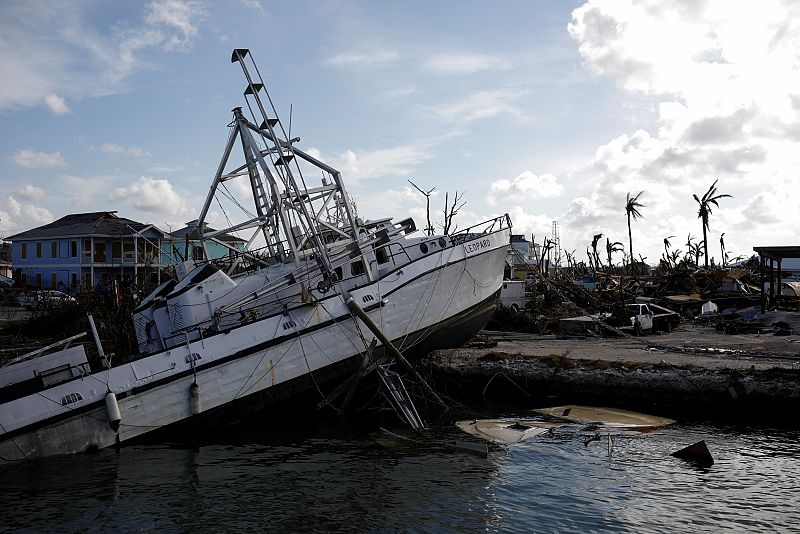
{"x": 608, "y": 417}
{"x": 517, "y": 430}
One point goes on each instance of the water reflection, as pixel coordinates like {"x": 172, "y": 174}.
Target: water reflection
{"x": 337, "y": 479}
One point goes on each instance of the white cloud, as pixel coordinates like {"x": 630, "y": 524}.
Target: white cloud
{"x": 27, "y": 158}
{"x": 253, "y": 4}
{"x": 30, "y": 192}
{"x": 80, "y": 58}
{"x": 395, "y": 161}
{"x": 56, "y": 104}
{"x": 465, "y": 63}
{"x": 135, "y": 151}
{"x": 165, "y": 168}
{"x": 179, "y": 18}
{"x": 370, "y": 59}
{"x": 152, "y": 195}
{"x": 481, "y": 105}
{"x": 525, "y": 186}
{"x": 17, "y": 217}
{"x": 727, "y": 108}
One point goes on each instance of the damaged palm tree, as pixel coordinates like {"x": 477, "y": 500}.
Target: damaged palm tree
{"x": 704, "y": 211}
{"x": 597, "y": 264}
{"x": 667, "y": 245}
{"x": 612, "y": 248}
{"x": 632, "y": 206}
{"x": 695, "y": 250}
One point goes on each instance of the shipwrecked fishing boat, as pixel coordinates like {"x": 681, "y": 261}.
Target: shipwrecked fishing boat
{"x": 297, "y": 309}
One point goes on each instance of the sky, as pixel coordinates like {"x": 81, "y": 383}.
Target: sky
{"x": 546, "y": 110}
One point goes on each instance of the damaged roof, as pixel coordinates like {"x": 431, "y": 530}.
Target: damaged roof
{"x": 778, "y": 253}
{"x": 191, "y": 230}
{"x": 99, "y": 223}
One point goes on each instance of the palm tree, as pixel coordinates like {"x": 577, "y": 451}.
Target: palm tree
{"x": 711, "y": 197}
{"x": 597, "y": 263}
{"x": 611, "y": 248}
{"x": 695, "y": 250}
{"x": 632, "y": 206}
{"x": 667, "y": 244}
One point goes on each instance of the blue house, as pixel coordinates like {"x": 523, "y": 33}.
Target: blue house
{"x": 184, "y": 244}
{"x": 84, "y": 249}
{"x": 5, "y": 264}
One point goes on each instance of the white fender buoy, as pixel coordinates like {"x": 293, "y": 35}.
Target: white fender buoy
{"x": 195, "y": 403}
{"x": 114, "y": 417}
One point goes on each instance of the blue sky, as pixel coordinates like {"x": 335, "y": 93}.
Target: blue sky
{"x": 545, "y": 110}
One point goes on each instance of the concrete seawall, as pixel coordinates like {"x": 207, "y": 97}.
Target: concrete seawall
{"x": 693, "y": 371}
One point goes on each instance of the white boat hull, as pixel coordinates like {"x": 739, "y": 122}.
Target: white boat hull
{"x": 458, "y": 285}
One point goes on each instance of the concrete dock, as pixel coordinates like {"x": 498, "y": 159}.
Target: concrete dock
{"x": 692, "y": 369}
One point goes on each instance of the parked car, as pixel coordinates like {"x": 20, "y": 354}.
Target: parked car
{"x": 32, "y": 299}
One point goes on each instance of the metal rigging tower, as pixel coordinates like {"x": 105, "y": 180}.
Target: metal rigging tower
{"x": 297, "y": 222}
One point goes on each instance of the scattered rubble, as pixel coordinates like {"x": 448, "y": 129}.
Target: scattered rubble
{"x": 576, "y": 302}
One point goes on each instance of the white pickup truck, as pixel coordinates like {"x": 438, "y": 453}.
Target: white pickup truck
{"x": 512, "y": 294}
{"x": 641, "y": 318}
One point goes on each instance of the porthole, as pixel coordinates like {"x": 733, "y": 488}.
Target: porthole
{"x": 423, "y": 247}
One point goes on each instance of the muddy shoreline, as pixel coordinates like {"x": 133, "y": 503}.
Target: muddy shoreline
{"x": 691, "y": 371}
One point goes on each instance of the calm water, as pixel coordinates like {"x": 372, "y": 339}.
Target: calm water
{"x": 327, "y": 478}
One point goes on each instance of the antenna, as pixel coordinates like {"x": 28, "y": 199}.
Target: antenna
{"x": 557, "y": 241}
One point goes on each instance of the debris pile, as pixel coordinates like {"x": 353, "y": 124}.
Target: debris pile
{"x": 576, "y": 301}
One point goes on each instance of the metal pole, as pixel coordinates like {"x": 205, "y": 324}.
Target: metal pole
{"x": 97, "y": 339}
{"x": 388, "y": 346}
{"x": 762, "y": 266}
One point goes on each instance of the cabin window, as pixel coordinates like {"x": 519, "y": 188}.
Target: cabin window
{"x": 357, "y": 268}
{"x": 381, "y": 255}
{"x": 116, "y": 250}
{"x": 23, "y": 251}
{"x": 339, "y": 274}
{"x": 38, "y": 249}
{"x": 73, "y": 281}
{"x": 54, "y": 280}
{"x": 73, "y": 249}
{"x": 53, "y": 249}
{"x": 198, "y": 253}
{"x": 71, "y": 398}
{"x": 423, "y": 247}
{"x": 87, "y": 248}
{"x": 127, "y": 250}
{"x": 38, "y": 279}
{"x": 442, "y": 242}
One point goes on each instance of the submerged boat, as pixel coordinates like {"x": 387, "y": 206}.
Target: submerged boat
{"x": 300, "y": 307}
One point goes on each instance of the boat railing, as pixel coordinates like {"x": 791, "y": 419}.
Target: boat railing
{"x": 59, "y": 345}
{"x": 468, "y": 234}
{"x": 481, "y": 229}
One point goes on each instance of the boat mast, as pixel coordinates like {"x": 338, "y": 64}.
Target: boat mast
{"x": 297, "y": 222}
